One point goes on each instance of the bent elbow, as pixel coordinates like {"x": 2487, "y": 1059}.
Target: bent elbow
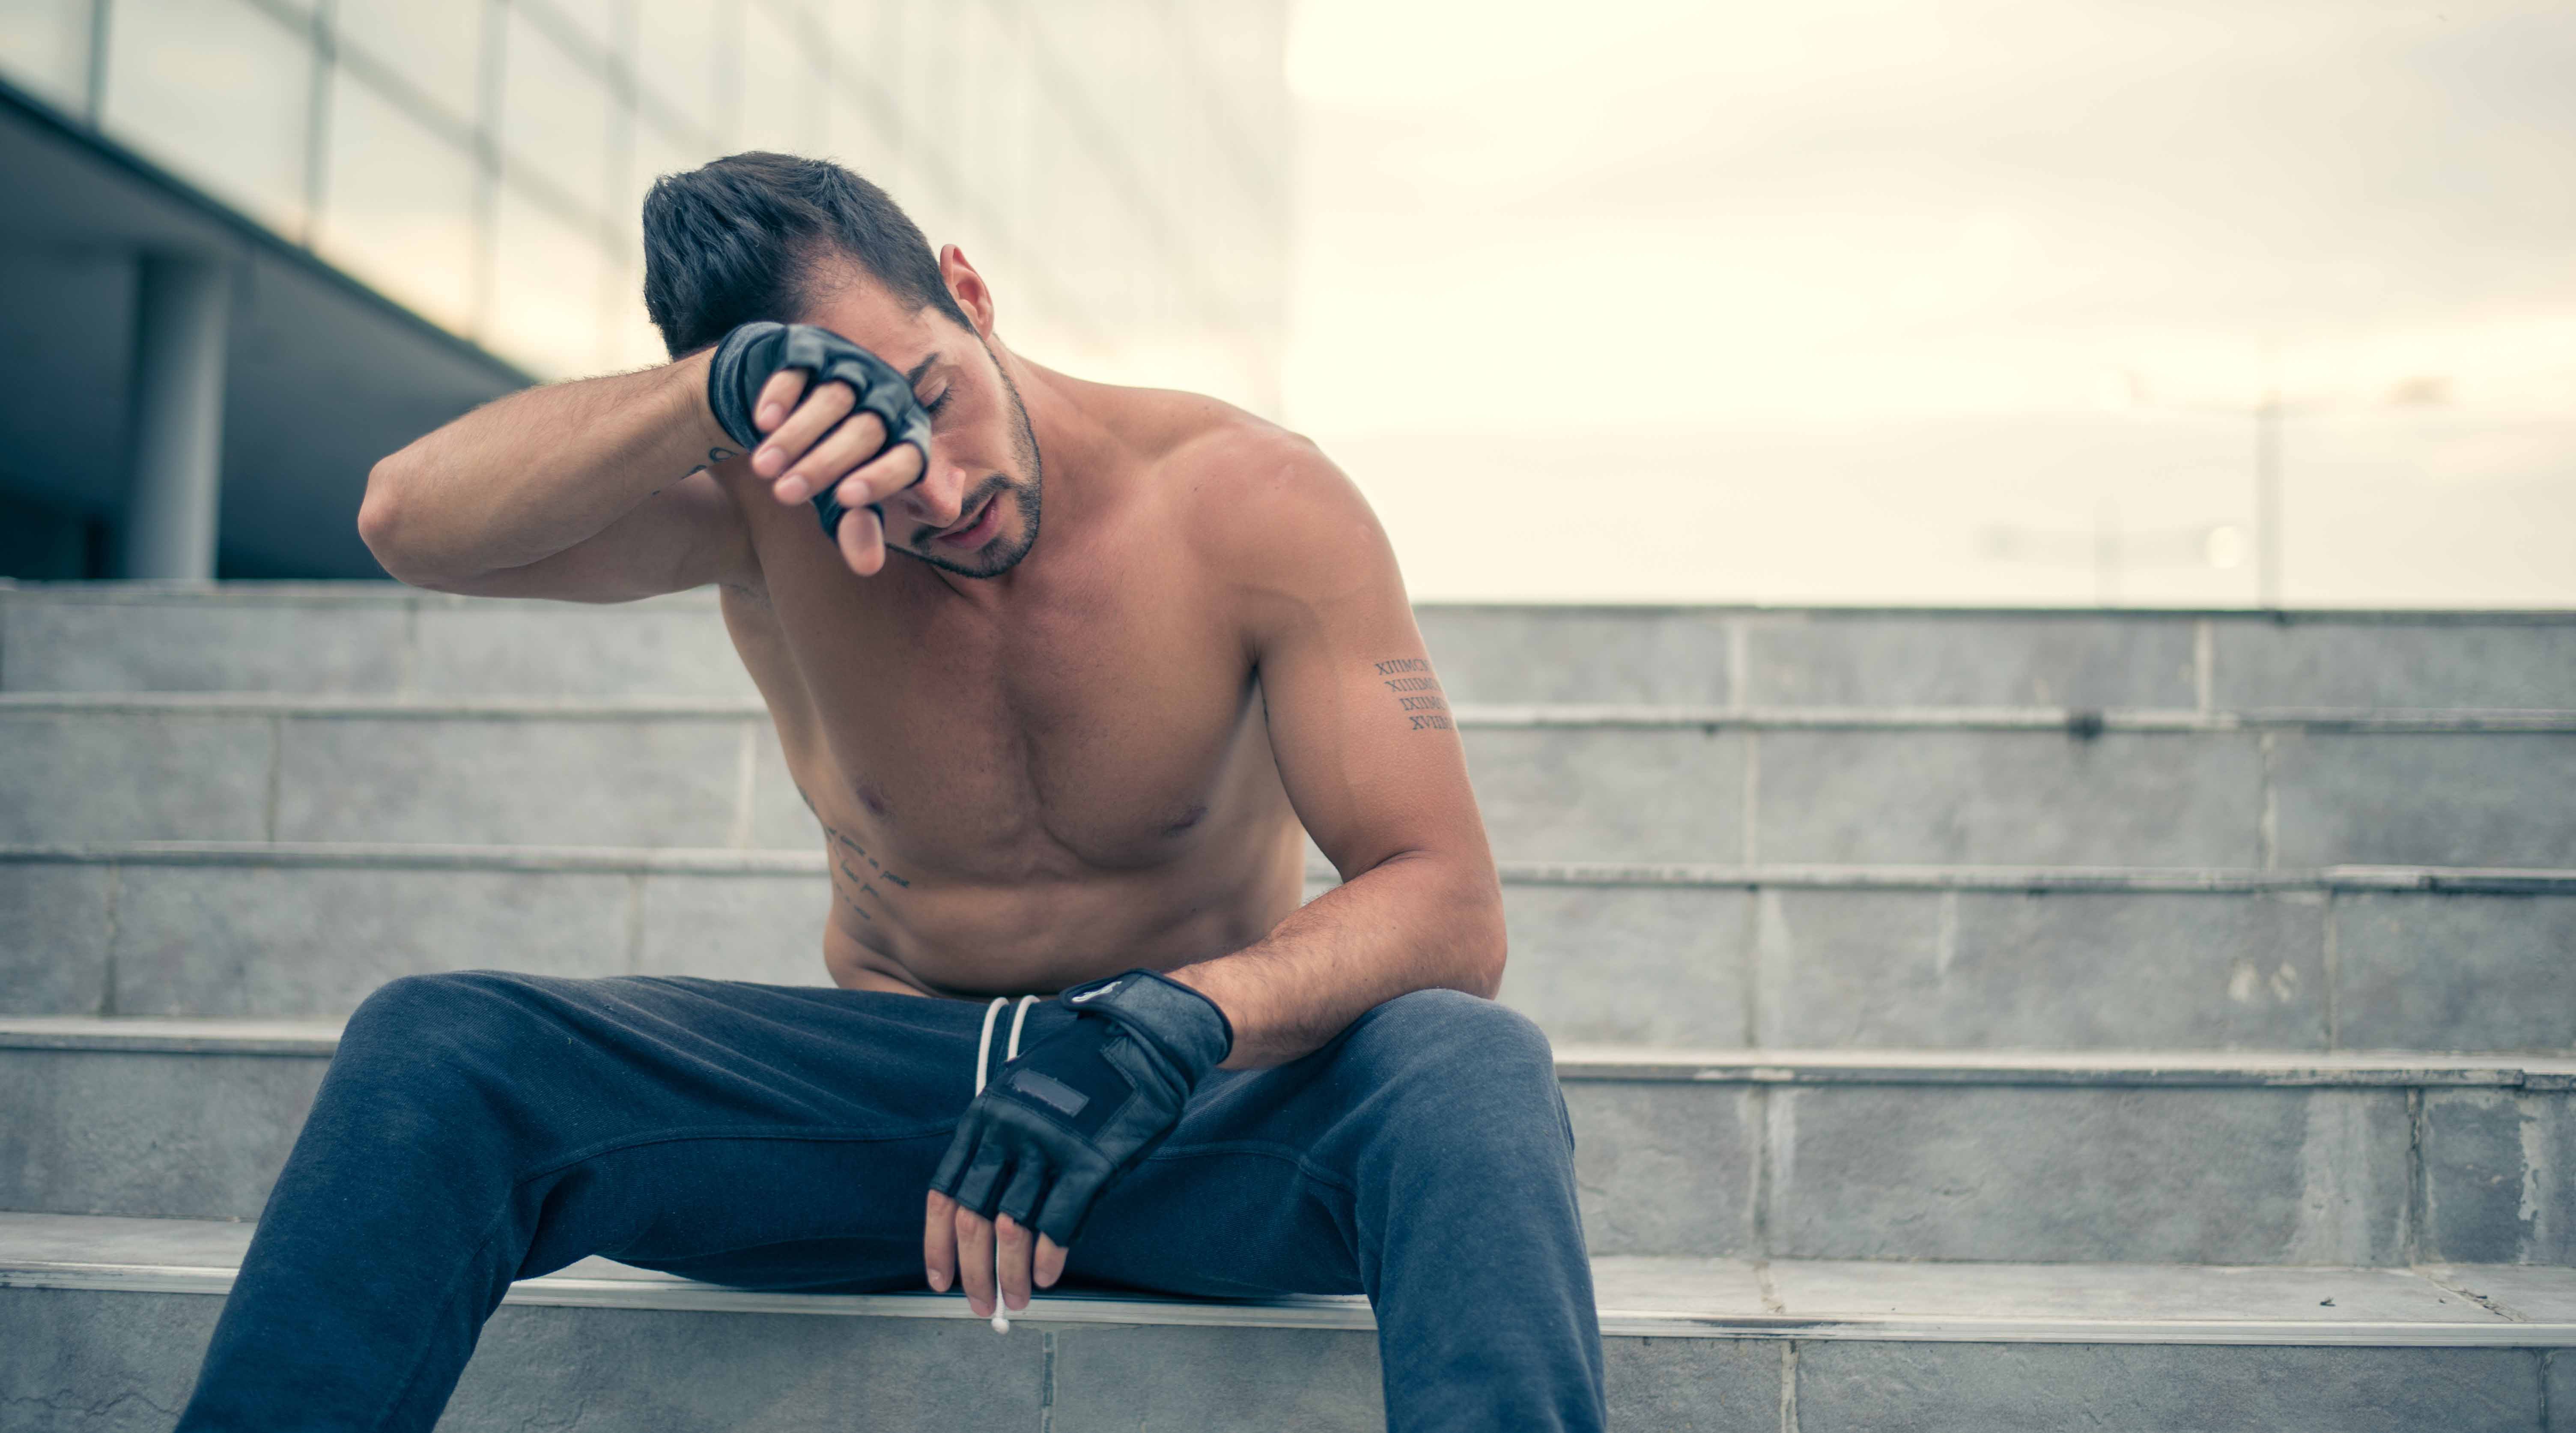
{"x": 383, "y": 524}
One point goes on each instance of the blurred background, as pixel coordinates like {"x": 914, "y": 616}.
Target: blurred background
{"x": 2086, "y": 302}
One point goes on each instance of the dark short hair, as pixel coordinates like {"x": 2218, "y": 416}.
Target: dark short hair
{"x": 739, "y": 239}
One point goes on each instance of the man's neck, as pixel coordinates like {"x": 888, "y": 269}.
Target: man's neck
{"x": 1074, "y": 451}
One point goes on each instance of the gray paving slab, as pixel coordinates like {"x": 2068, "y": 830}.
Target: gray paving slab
{"x": 133, "y": 776}
{"x": 208, "y": 1244}
{"x": 2542, "y": 1293}
{"x": 2499, "y": 1177}
{"x": 61, "y": 643}
{"x": 164, "y": 1135}
{"x": 290, "y": 941}
{"x": 539, "y": 1367}
{"x": 55, "y": 925}
{"x": 2426, "y": 971}
{"x": 2143, "y": 1292}
{"x": 2426, "y": 662}
{"x": 1180, "y": 1380}
{"x": 2054, "y": 970}
{"x": 525, "y": 781}
{"x": 1654, "y": 1283}
{"x": 759, "y": 928}
{"x": 1671, "y": 1385}
{"x": 1884, "y": 659}
{"x": 1641, "y": 965}
{"x": 492, "y": 648}
{"x": 1609, "y": 794}
{"x": 1935, "y": 797}
{"x": 2433, "y": 799}
{"x": 2247, "y": 1176}
{"x": 1665, "y": 1169}
{"x": 89, "y": 1361}
{"x": 2048, "y": 1388}
{"x": 1578, "y": 654}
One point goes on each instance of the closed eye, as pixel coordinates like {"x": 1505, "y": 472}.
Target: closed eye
{"x": 934, "y": 405}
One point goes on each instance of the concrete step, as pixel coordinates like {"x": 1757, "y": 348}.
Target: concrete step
{"x": 103, "y": 1321}
{"x": 2334, "y": 959}
{"x": 383, "y": 639}
{"x": 2029, "y": 787}
{"x": 2100, "y": 1156}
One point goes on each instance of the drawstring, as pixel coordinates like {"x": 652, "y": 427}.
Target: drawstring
{"x": 983, "y": 1057}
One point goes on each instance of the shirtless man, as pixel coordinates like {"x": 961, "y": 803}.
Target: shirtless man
{"x": 1063, "y": 684}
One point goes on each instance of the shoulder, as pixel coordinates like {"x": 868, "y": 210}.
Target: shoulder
{"x": 1259, "y": 502}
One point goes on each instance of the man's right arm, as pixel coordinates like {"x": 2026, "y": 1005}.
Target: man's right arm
{"x": 591, "y": 491}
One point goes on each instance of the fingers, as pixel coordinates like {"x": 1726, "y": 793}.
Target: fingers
{"x": 845, "y": 447}
{"x": 1013, "y": 1262}
{"x": 939, "y": 1242}
{"x": 790, "y": 440}
{"x": 881, "y": 477}
{"x": 975, "y": 1260}
{"x": 776, "y": 397}
{"x": 1050, "y": 1262}
{"x": 862, "y": 541}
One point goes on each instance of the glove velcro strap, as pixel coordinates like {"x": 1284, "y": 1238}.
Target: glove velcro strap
{"x": 1182, "y": 1025}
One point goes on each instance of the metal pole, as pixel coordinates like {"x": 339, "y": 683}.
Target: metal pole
{"x": 2267, "y": 499}
{"x": 183, "y": 310}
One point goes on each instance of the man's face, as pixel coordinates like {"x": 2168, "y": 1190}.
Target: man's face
{"x": 975, "y": 511}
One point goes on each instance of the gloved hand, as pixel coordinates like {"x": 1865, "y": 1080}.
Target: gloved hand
{"x": 1062, "y": 1122}
{"x": 747, "y": 357}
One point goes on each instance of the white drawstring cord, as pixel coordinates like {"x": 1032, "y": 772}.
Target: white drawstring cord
{"x": 983, "y": 1056}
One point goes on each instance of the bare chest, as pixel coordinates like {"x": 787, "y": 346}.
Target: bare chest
{"x": 1113, "y": 726}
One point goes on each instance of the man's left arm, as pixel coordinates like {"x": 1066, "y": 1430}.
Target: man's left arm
{"x": 1372, "y": 763}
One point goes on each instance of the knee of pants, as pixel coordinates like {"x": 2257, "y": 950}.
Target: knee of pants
{"x": 1448, "y": 1051}
{"x": 426, "y": 1033}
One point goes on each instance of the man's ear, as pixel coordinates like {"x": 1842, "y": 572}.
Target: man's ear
{"x": 968, "y": 288}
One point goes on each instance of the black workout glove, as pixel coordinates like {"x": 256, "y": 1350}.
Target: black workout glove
{"x": 1080, "y": 1108}
{"x": 750, "y": 354}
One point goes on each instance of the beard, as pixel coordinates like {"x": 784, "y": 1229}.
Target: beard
{"x": 998, "y": 556}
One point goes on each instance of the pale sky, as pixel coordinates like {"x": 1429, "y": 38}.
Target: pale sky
{"x": 1644, "y": 300}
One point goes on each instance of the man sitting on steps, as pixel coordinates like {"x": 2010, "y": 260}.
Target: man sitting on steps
{"x": 1139, "y": 642}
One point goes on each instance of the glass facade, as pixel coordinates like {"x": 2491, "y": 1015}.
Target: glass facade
{"x": 1119, "y": 169}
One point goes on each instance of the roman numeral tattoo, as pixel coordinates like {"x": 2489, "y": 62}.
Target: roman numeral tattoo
{"x": 1417, "y": 693}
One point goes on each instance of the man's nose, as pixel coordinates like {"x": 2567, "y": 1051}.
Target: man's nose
{"x": 934, "y": 501}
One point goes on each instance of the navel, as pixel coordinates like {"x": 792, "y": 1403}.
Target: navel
{"x": 1195, "y": 815}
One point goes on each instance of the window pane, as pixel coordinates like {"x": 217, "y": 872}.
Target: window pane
{"x": 219, "y": 92}
{"x": 554, "y": 116}
{"x": 856, "y": 140}
{"x": 546, "y": 280}
{"x": 681, "y": 47}
{"x": 594, "y": 20}
{"x": 44, "y": 46}
{"x": 438, "y": 48}
{"x": 398, "y": 205}
{"x": 780, "y": 91}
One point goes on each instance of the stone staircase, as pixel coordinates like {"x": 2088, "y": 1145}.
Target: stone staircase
{"x": 1971, "y": 1020}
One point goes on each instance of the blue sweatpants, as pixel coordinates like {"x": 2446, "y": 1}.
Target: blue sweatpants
{"x": 481, "y": 1127}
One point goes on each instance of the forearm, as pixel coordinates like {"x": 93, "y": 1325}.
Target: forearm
{"x": 527, "y": 476}
{"x": 1414, "y": 922}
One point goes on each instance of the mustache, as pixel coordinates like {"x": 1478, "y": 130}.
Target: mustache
{"x": 992, "y": 487}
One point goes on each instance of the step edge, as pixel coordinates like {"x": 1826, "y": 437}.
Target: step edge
{"x": 703, "y": 860}
{"x": 1350, "y": 1312}
{"x": 311, "y": 1038}
{"x": 254, "y": 591}
{"x": 2081, "y": 723}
